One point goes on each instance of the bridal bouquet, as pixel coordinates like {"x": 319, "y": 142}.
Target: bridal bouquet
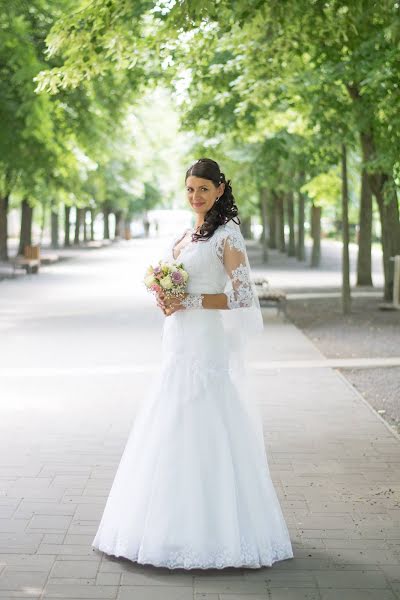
{"x": 171, "y": 278}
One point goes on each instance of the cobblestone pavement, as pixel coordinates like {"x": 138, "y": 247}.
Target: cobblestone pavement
{"x": 78, "y": 345}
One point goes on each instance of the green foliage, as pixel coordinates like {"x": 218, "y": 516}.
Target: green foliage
{"x": 58, "y": 147}
{"x": 269, "y": 89}
{"x": 325, "y": 188}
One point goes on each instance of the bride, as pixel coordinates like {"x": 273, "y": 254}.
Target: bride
{"x": 193, "y": 488}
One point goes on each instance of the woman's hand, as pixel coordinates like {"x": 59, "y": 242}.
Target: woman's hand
{"x": 169, "y": 304}
{"x": 160, "y": 301}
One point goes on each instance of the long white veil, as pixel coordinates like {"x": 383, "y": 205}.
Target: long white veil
{"x": 247, "y": 320}
{"x": 243, "y": 325}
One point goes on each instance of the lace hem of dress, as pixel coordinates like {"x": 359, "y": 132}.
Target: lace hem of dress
{"x": 188, "y": 558}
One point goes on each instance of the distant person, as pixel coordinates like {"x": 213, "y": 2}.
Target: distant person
{"x": 146, "y": 226}
{"x": 193, "y": 488}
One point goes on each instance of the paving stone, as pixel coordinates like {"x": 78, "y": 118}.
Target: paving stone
{"x": 28, "y": 508}
{"x": 108, "y": 579}
{"x": 364, "y": 556}
{"x": 13, "y": 525}
{"x": 70, "y": 549}
{"x": 155, "y": 593}
{"x": 30, "y": 484}
{"x": 237, "y": 596}
{"x": 290, "y": 594}
{"x": 16, "y": 595}
{"x": 229, "y": 585}
{"x": 296, "y": 579}
{"x": 307, "y": 544}
{"x": 89, "y": 557}
{"x": 153, "y": 579}
{"x": 7, "y": 512}
{"x": 25, "y": 543}
{"x": 20, "y": 580}
{"x": 360, "y": 543}
{"x": 395, "y": 586}
{"x": 54, "y": 538}
{"x": 44, "y": 522}
{"x": 351, "y": 579}
{"x": 28, "y": 562}
{"x": 81, "y": 592}
{"x": 82, "y": 527}
{"x": 365, "y": 594}
{"x": 74, "y": 568}
{"x": 82, "y": 539}
{"x": 392, "y": 572}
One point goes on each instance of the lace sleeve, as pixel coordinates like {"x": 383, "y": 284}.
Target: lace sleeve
{"x": 231, "y": 251}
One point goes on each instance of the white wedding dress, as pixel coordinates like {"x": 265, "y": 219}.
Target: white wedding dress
{"x": 193, "y": 488}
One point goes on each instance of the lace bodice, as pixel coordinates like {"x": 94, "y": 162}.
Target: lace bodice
{"x": 212, "y": 263}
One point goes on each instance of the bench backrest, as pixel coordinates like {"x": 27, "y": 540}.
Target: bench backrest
{"x": 32, "y": 252}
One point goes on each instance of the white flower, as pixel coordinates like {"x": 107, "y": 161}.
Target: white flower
{"x": 149, "y": 280}
{"x": 166, "y": 282}
{"x": 184, "y": 275}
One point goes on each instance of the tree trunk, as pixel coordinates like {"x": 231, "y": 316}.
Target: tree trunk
{"x": 388, "y": 212}
{"x": 67, "y": 212}
{"x": 78, "y": 225}
{"x": 280, "y": 210}
{"x": 25, "y": 238}
{"x": 42, "y": 223}
{"x": 245, "y": 227}
{"x": 127, "y": 233}
{"x": 290, "y": 212}
{"x": 121, "y": 227}
{"x": 346, "y": 297}
{"x": 118, "y": 233}
{"x": 263, "y": 194}
{"x": 272, "y": 220}
{"x": 92, "y": 224}
{"x": 364, "y": 275}
{"x": 54, "y": 226}
{"x": 300, "y": 250}
{"x": 85, "y": 234}
{"x": 389, "y": 216}
{"x": 106, "y": 228}
{"x": 4, "y": 203}
{"x": 316, "y": 235}
{"x": 76, "y": 229}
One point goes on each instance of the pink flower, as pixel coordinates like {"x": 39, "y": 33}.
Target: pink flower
{"x": 155, "y": 288}
{"x": 177, "y": 277}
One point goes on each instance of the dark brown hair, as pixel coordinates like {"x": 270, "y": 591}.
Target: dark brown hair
{"x": 224, "y": 209}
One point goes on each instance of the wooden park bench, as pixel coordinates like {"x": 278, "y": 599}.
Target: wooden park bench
{"x": 30, "y": 261}
{"x": 269, "y": 296}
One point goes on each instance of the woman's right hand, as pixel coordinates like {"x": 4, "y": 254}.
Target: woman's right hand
{"x": 160, "y": 301}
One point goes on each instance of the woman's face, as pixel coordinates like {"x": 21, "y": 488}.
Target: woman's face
{"x": 202, "y": 193}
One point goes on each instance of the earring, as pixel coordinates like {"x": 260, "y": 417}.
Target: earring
{"x": 216, "y": 199}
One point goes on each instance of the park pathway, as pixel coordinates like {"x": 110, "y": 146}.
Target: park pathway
{"x": 78, "y": 346}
